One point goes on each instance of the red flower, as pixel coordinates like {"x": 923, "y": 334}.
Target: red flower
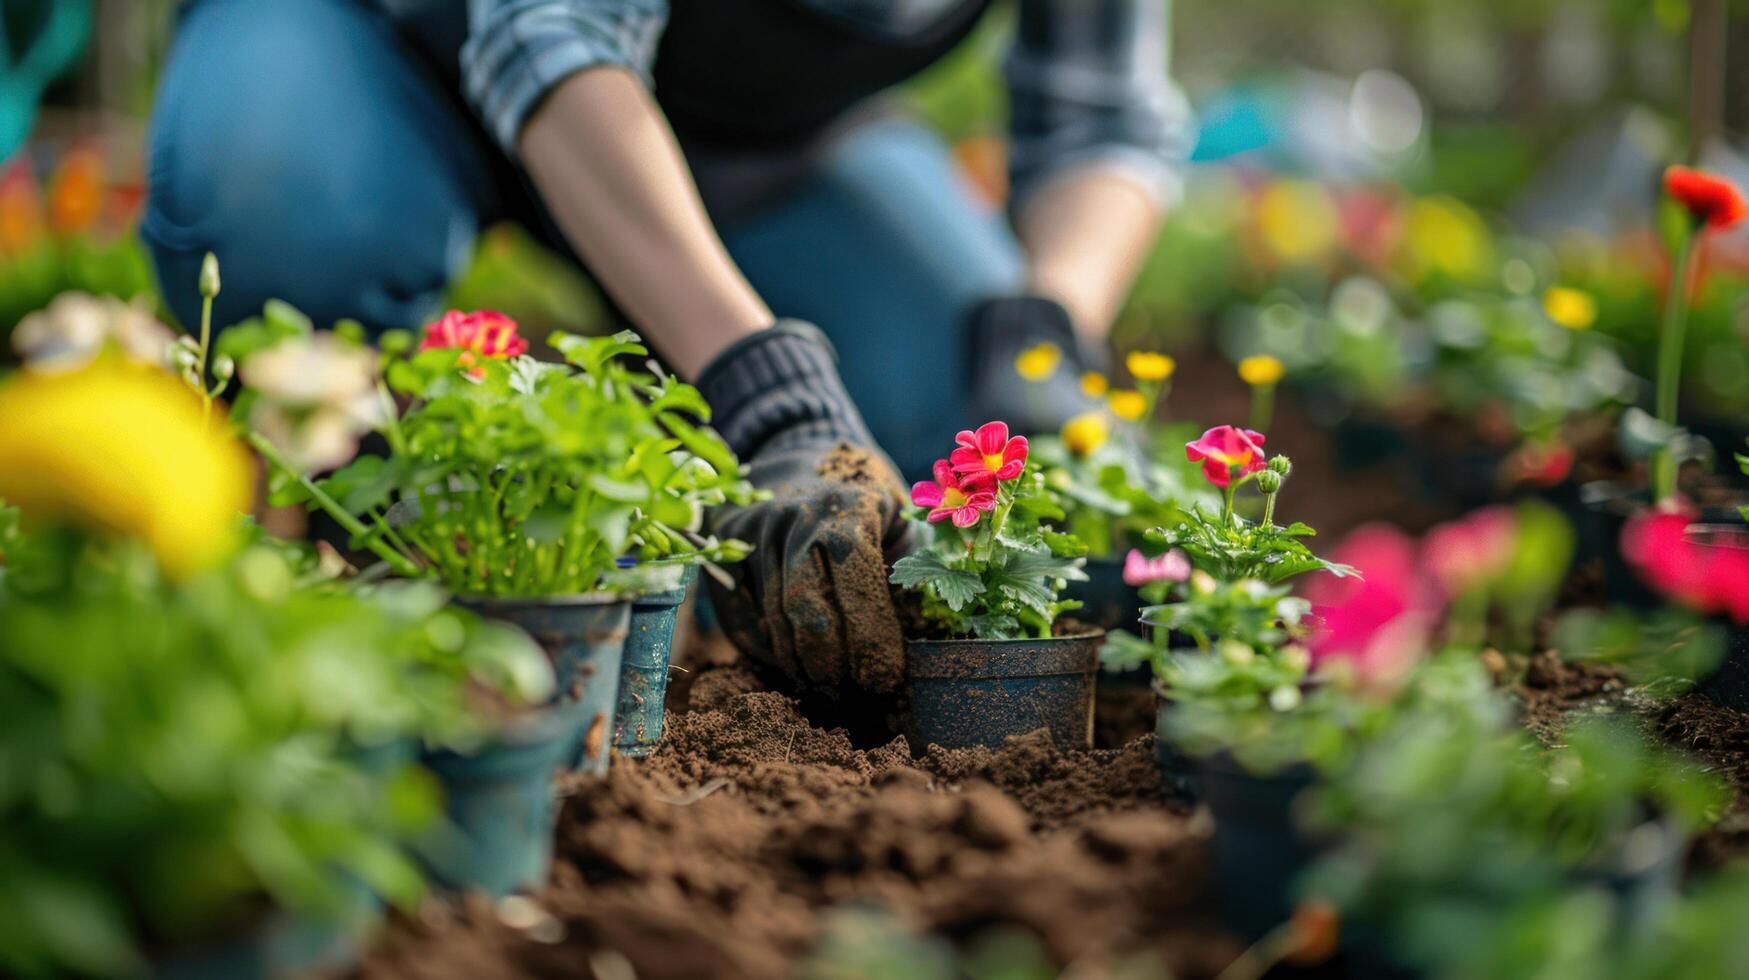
{"x": 989, "y": 451}
{"x": 1223, "y": 448}
{"x": 1707, "y": 576}
{"x": 487, "y": 333}
{"x": 1710, "y": 199}
{"x": 1377, "y": 622}
{"x": 1542, "y": 464}
{"x": 1472, "y": 550}
{"x": 949, "y": 497}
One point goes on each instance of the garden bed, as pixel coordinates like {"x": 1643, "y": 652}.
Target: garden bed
{"x": 725, "y": 852}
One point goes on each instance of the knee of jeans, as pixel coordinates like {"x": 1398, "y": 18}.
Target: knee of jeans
{"x": 347, "y": 193}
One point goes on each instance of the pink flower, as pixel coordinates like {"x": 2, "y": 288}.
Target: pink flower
{"x": 1709, "y": 576}
{"x": 1139, "y": 569}
{"x": 949, "y": 497}
{"x": 1377, "y": 623}
{"x": 486, "y": 333}
{"x": 1472, "y": 550}
{"x": 989, "y": 451}
{"x": 1223, "y": 448}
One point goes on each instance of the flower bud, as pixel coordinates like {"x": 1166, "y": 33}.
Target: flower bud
{"x": 1282, "y": 465}
{"x": 209, "y": 276}
{"x": 1285, "y": 698}
{"x": 224, "y": 367}
{"x": 1202, "y": 583}
{"x": 1235, "y": 653}
{"x": 1269, "y": 481}
{"x": 1296, "y": 657}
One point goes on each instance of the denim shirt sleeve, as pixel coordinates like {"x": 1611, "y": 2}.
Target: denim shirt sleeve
{"x": 518, "y": 50}
{"x": 1088, "y": 82}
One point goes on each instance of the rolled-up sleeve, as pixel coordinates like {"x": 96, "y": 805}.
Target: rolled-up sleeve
{"x": 1088, "y": 82}
{"x": 518, "y": 50}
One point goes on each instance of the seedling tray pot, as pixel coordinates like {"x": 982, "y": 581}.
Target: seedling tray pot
{"x": 964, "y": 693}
{"x": 499, "y": 808}
{"x": 643, "y": 675}
{"x": 585, "y": 636}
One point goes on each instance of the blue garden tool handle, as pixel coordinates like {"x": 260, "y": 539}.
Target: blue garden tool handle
{"x": 28, "y": 69}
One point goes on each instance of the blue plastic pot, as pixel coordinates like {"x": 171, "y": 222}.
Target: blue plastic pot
{"x": 585, "y": 636}
{"x": 499, "y": 807}
{"x": 281, "y": 944}
{"x": 643, "y": 674}
{"x": 962, "y": 693}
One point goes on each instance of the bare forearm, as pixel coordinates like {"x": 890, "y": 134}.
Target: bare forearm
{"x": 1087, "y": 233}
{"x": 609, "y": 170}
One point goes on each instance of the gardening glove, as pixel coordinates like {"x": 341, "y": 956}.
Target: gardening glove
{"x": 812, "y": 598}
{"x": 1000, "y": 329}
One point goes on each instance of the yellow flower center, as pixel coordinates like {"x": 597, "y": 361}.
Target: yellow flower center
{"x": 953, "y": 497}
{"x": 993, "y": 461}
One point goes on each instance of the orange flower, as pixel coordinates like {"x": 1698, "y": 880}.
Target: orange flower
{"x": 21, "y": 212}
{"x": 76, "y": 193}
{"x": 1710, "y": 200}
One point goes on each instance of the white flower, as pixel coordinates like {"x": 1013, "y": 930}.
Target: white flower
{"x": 317, "y": 395}
{"x": 75, "y": 327}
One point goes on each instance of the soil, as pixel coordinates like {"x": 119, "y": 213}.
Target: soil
{"x": 1719, "y": 737}
{"x": 726, "y": 852}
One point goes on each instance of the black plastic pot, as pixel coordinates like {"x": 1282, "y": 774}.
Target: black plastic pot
{"x": 1604, "y": 512}
{"x": 585, "y": 636}
{"x": 1259, "y": 848}
{"x": 1177, "y": 770}
{"x": 961, "y": 693}
{"x": 643, "y": 675}
{"x": 1107, "y": 601}
{"x": 499, "y": 808}
{"x": 1728, "y": 686}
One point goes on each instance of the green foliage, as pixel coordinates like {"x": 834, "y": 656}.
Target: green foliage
{"x": 1111, "y": 496}
{"x": 178, "y": 760}
{"x": 523, "y": 478}
{"x": 999, "y": 579}
{"x": 1233, "y": 548}
{"x": 1472, "y": 850}
{"x": 1667, "y": 651}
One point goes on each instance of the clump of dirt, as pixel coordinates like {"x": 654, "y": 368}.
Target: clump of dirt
{"x": 1553, "y": 690}
{"x": 725, "y": 852}
{"x": 1719, "y": 737}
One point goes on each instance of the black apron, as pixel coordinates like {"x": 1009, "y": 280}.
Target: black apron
{"x": 757, "y": 89}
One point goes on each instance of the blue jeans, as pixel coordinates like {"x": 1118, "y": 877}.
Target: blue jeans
{"x": 327, "y": 164}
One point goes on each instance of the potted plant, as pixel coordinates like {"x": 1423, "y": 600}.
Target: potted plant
{"x": 993, "y": 659}
{"x": 1468, "y": 848}
{"x": 247, "y": 784}
{"x": 541, "y": 494}
{"x": 1697, "y": 205}
{"x": 1111, "y": 478}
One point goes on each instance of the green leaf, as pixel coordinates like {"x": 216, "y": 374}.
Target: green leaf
{"x": 925, "y": 569}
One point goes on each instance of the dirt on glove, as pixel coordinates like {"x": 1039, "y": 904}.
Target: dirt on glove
{"x": 726, "y": 853}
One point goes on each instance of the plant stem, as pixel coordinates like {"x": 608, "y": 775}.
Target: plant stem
{"x": 1269, "y": 509}
{"x": 1262, "y": 406}
{"x": 397, "y": 561}
{"x": 1670, "y": 363}
{"x": 206, "y": 337}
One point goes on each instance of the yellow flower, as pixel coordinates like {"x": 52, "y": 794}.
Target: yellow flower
{"x": 1446, "y": 236}
{"x": 124, "y": 449}
{"x": 1571, "y": 308}
{"x": 1297, "y": 220}
{"x": 1127, "y": 404}
{"x": 1146, "y": 365}
{"x": 1085, "y": 433}
{"x": 1039, "y": 361}
{"x": 1259, "y": 370}
{"x": 1094, "y": 384}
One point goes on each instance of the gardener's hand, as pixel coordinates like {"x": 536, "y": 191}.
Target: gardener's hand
{"x": 813, "y": 597}
{"x": 999, "y": 331}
